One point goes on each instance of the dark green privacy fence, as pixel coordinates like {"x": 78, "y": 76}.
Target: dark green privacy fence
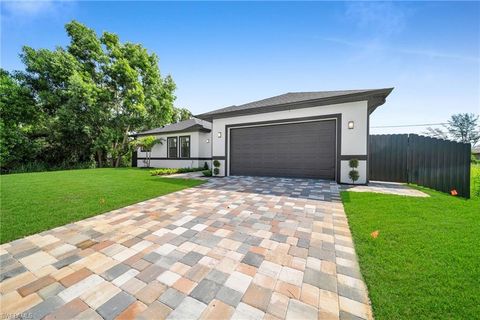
{"x": 134, "y": 158}
{"x": 438, "y": 164}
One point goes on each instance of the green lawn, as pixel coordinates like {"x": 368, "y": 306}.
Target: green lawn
{"x": 425, "y": 263}
{"x": 33, "y": 202}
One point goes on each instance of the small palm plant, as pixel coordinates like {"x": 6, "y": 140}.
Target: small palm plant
{"x": 353, "y": 174}
{"x": 147, "y": 144}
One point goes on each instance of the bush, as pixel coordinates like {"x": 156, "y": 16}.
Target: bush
{"x": 41, "y": 166}
{"x": 167, "y": 171}
{"x": 474, "y": 159}
{"x": 353, "y": 163}
{"x": 353, "y": 174}
{"x": 207, "y": 173}
{"x": 475, "y": 180}
{"x": 216, "y": 163}
{"x": 216, "y": 171}
{"x": 205, "y": 166}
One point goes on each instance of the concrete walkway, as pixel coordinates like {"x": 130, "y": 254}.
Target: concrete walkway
{"x": 399, "y": 189}
{"x": 240, "y": 248}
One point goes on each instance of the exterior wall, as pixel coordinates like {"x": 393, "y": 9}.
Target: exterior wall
{"x": 353, "y": 141}
{"x": 200, "y": 152}
{"x": 345, "y": 169}
{"x": 172, "y": 163}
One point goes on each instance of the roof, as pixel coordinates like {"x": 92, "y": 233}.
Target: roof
{"x": 476, "y": 149}
{"x": 193, "y": 124}
{"x": 295, "y": 100}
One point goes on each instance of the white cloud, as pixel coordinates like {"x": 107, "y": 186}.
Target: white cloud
{"x": 383, "y": 17}
{"x": 378, "y": 46}
{"x": 18, "y": 9}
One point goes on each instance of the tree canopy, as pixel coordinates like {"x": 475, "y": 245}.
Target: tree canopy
{"x": 81, "y": 102}
{"x": 461, "y": 127}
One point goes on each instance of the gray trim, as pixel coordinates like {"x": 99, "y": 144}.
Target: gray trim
{"x": 180, "y": 146}
{"x": 335, "y": 116}
{"x": 191, "y": 129}
{"x": 374, "y": 98}
{"x": 219, "y": 158}
{"x": 168, "y": 147}
{"x": 354, "y": 156}
{"x": 162, "y": 158}
{"x": 367, "y": 179}
{"x": 189, "y": 125}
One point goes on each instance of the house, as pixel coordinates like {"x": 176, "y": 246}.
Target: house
{"x": 476, "y": 152}
{"x": 300, "y": 134}
{"x": 185, "y": 144}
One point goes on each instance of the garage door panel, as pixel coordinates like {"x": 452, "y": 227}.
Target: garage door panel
{"x": 288, "y": 150}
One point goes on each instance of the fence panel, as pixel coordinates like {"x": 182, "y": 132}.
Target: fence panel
{"x": 388, "y": 157}
{"x": 437, "y": 164}
{"x": 134, "y": 158}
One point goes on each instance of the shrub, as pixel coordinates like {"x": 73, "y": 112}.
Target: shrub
{"x": 42, "y": 166}
{"x": 167, "y": 171}
{"x": 353, "y": 163}
{"x": 205, "y": 166}
{"x": 353, "y": 174}
{"x": 216, "y": 163}
{"x": 216, "y": 171}
{"x": 474, "y": 159}
{"x": 475, "y": 180}
{"x": 207, "y": 173}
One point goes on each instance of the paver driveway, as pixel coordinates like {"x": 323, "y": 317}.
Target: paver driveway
{"x": 240, "y": 248}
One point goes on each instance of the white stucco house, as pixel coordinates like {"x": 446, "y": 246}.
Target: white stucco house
{"x": 185, "y": 144}
{"x": 299, "y": 134}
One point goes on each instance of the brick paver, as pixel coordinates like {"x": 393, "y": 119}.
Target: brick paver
{"x": 236, "y": 247}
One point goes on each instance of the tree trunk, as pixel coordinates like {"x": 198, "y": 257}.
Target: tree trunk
{"x": 99, "y": 156}
{"x": 117, "y": 162}
{"x": 122, "y": 146}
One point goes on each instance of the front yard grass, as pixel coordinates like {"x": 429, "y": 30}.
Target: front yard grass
{"x": 425, "y": 263}
{"x": 33, "y": 202}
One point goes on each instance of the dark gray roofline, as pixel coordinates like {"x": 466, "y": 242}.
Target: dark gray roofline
{"x": 375, "y": 99}
{"x": 182, "y": 126}
{"x": 191, "y": 129}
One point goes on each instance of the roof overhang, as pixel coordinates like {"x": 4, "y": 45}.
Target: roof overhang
{"x": 374, "y": 98}
{"x": 194, "y": 128}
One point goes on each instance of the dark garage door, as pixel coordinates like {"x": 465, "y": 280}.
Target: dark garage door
{"x": 305, "y": 150}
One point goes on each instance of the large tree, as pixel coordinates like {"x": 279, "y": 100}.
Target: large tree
{"x": 181, "y": 114}
{"x": 462, "y": 127}
{"x": 18, "y": 117}
{"x": 95, "y": 92}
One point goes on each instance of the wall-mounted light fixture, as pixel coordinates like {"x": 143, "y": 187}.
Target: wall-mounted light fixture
{"x": 207, "y": 141}
{"x": 350, "y": 124}
{"x": 219, "y": 134}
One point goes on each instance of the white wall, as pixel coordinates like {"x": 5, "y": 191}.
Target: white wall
{"x": 199, "y": 148}
{"x": 353, "y": 141}
{"x": 172, "y": 163}
{"x": 345, "y": 169}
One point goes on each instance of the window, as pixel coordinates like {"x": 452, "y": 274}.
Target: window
{"x": 172, "y": 147}
{"x": 185, "y": 147}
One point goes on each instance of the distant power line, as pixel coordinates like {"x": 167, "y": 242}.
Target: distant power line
{"x": 411, "y": 125}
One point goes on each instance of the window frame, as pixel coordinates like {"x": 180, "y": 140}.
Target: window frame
{"x": 180, "y": 146}
{"x": 176, "y": 147}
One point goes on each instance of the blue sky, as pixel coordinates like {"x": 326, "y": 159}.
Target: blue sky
{"x": 222, "y": 53}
